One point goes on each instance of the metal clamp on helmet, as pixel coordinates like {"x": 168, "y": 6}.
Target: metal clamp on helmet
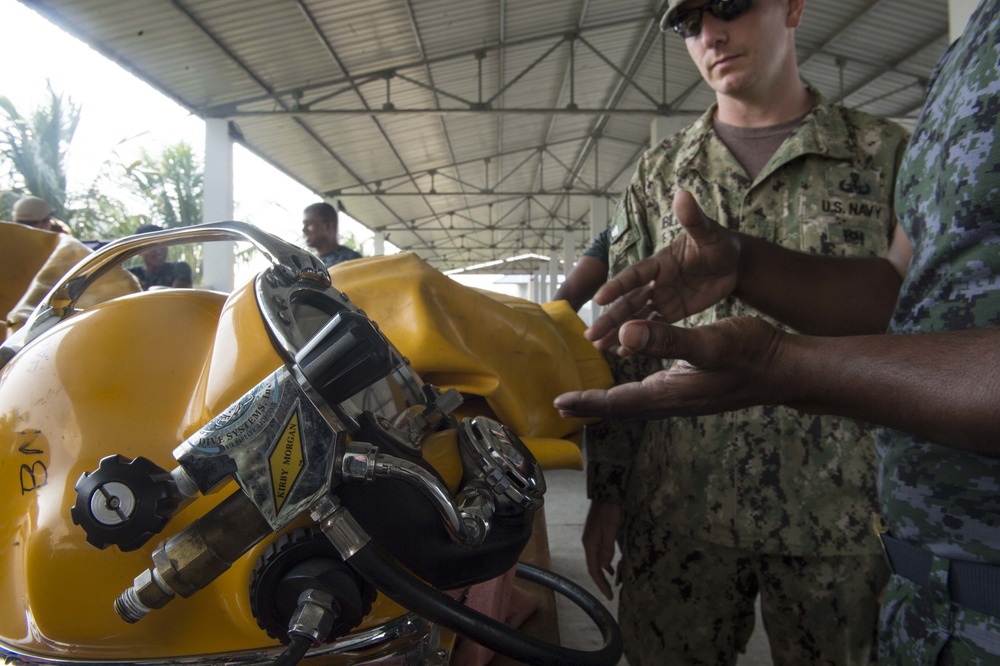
{"x": 492, "y": 453}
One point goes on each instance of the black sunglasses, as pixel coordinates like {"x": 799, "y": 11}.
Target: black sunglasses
{"x": 687, "y": 22}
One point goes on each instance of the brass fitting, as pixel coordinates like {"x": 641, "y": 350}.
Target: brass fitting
{"x": 195, "y": 556}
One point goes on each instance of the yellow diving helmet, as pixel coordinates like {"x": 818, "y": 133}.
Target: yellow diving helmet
{"x": 268, "y": 456}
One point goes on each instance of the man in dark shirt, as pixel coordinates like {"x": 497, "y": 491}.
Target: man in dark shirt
{"x": 319, "y": 226}
{"x": 156, "y": 271}
{"x": 590, "y": 272}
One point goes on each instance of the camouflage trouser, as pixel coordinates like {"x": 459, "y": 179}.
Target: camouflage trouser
{"x": 685, "y": 601}
{"x": 920, "y": 626}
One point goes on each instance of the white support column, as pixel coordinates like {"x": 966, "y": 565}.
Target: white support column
{"x": 219, "y": 257}
{"x": 379, "y": 243}
{"x": 569, "y": 251}
{"x": 524, "y": 290}
{"x": 598, "y": 217}
{"x": 959, "y": 13}
{"x": 550, "y": 287}
{"x": 662, "y": 127}
{"x": 533, "y": 287}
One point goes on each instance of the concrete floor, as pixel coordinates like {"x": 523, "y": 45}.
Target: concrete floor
{"x": 565, "y": 510}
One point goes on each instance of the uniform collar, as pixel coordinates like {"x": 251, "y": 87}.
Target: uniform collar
{"x": 821, "y": 132}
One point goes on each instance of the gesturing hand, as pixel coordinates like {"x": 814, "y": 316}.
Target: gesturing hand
{"x": 696, "y": 271}
{"x": 734, "y": 363}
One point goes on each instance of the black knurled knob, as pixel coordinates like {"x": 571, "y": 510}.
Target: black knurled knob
{"x": 124, "y": 502}
{"x": 304, "y": 559}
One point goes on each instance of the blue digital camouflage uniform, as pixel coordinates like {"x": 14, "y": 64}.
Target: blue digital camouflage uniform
{"x": 944, "y": 500}
{"x": 706, "y": 497}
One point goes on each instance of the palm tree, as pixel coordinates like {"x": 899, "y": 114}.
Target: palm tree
{"x": 172, "y": 184}
{"x": 33, "y": 148}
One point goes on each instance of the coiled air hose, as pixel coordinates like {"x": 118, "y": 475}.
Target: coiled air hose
{"x": 380, "y": 569}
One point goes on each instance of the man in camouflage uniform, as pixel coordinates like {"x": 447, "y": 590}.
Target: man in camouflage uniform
{"x": 933, "y": 384}
{"x": 766, "y": 499}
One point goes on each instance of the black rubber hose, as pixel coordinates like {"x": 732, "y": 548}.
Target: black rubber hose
{"x": 407, "y": 590}
{"x": 297, "y": 648}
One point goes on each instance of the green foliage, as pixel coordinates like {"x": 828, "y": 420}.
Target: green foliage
{"x": 172, "y": 183}
{"x": 98, "y": 215}
{"x": 167, "y": 188}
{"x": 349, "y": 240}
{"x": 33, "y": 150}
{"x": 7, "y": 200}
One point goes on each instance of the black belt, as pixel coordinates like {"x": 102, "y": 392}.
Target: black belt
{"x": 974, "y": 585}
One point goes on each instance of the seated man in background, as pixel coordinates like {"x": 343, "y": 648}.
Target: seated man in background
{"x": 590, "y": 272}
{"x": 156, "y": 271}
{"x": 34, "y": 212}
{"x": 319, "y": 226}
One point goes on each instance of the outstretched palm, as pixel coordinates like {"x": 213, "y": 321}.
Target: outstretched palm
{"x": 693, "y": 273}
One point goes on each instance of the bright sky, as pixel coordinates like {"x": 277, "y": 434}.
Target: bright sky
{"x": 121, "y": 114}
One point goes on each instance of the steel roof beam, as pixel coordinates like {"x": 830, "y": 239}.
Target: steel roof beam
{"x": 425, "y": 62}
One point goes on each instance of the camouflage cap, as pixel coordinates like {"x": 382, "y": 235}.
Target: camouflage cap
{"x": 671, "y": 8}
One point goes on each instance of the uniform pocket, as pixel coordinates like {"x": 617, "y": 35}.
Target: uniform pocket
{"x": 624, "y": 242}
{"x": 848, "y": 214}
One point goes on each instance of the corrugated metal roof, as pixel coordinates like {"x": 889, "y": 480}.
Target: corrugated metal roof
{"x": 473, "y": 131}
